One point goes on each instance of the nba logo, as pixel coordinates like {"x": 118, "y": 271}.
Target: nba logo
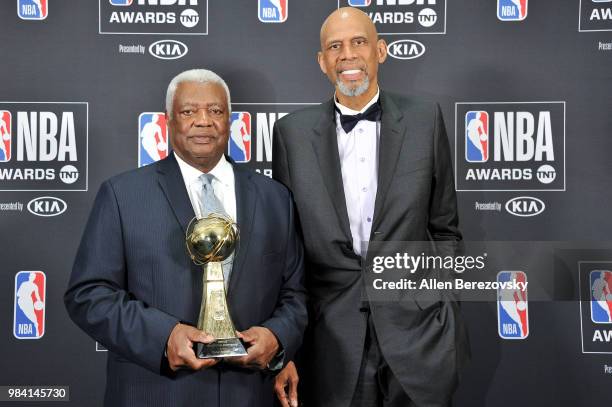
{"x": 32, "y": 9}
{"x": 152, "y": 138}
{"x": 240, "y": 137}
{"x": 477, "y": 136}
{"x": 121, "y": 2}
{"x": 511, "y": 10}
{"x": 359, "y": 3}
{"x": 272, "y": 11}
{"x": 601, "y": 296}
{"x": 5, "y": 135}
{"x": 29, "y": 314}
{"x": 512, "y": 315}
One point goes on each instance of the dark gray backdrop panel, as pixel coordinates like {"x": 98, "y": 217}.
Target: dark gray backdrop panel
{"x": 480, "y": 59}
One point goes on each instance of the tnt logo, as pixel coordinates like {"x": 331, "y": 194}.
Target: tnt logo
{"x": 359, "y": 3}
{"x": 512, "y": 316}
{"x": 32, "y": 9}
{"x": 121, "y": 2}
{"x": 272, "y": 11}
{"x": 152, "y": 138}
{"x": 5, "y": 135}
{"x": 477, "y": 136}
{"x": 511, "y": 10}
{"x": 240, "y": 137}
{"x": 29, "y": 314}
{"x": 601, "y": 296}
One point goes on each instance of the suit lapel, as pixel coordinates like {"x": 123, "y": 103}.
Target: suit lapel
{"x": 325, "y": 146}
{"x": 392, "y": 132}
{"x": 172, "y": 184}
{"x": 246, "y": 201}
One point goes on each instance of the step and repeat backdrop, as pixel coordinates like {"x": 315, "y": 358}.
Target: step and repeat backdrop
{"x": 525, "y": 87}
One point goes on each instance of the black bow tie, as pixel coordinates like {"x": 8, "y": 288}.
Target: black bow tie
{"x": 349, "y": 122}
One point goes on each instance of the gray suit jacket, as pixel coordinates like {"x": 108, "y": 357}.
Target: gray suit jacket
{"x": 423, "y": 342}
{"x": 133, "y": 280}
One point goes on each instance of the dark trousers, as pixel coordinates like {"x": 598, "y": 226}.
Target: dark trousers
{"x": 377, "y": 385}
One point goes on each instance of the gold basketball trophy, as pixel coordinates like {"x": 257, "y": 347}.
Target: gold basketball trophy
{"x": 211, "y": 240}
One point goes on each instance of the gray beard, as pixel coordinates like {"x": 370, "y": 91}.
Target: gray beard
{"x": 356, "y": 91}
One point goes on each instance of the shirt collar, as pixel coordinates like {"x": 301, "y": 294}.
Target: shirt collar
{"x": 347, "y": 111}
{"x": 222, "y": 171}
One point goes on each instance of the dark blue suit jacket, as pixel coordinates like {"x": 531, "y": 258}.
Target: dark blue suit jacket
{"x": 132, "y": 281}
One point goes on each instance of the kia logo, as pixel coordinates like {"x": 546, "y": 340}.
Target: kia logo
{"x": 47, "y": 206}
{"x": 168, "y": 49}
{"x": 525, "y": 206}
{"x": 406, "y": 49}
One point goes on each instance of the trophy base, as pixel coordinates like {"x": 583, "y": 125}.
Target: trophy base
{"x": 220, "y": 348}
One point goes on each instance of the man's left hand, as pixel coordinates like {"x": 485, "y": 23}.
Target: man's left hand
{"x": 262, "y": 346}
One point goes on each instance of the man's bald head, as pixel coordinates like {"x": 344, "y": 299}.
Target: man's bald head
{"x": 346, "y": 15}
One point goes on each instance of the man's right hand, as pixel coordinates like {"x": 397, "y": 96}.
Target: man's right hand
{"x": 180, "y": 348}
{"x": 285, "y": 386}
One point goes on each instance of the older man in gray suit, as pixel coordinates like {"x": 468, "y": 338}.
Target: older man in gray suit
{"x": 368, "y": 165}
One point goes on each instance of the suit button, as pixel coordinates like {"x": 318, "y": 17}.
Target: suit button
{"x": 347, "y": 250}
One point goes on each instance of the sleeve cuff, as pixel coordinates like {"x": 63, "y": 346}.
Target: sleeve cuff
{"x": 277, "y": 362}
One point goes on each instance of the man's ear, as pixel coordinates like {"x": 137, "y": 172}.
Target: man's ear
{"x": 381, "y": 49}
{"x": 321, "y": 62}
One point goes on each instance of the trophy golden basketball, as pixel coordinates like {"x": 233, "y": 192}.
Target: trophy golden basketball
{"x": 211, "y": 240}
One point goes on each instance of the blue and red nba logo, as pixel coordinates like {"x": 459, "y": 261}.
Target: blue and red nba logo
{"x": 511, "y": 10}
{"x": 121, "y": 2}
{"x": 152, "y": 138}
{"x": 359, "y": 3}
{"x": 32, "y": 9}
{"x": 5, "y": 135}
{"x": 477, "y": 136}
{"x": 29, "y": 313}
{"x": 512, "y": 309}
{"x": 601, "y": 296}
{"x": 239, "y": 146}
{"x": 272, "y": 11}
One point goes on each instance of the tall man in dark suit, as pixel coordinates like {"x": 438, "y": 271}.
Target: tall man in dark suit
{"x": 133, "y": 283}
{"x": 368, "y": 165}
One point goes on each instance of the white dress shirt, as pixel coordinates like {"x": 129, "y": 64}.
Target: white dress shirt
{"x": 223, "y": 185}
{"x": 359, "y": 164}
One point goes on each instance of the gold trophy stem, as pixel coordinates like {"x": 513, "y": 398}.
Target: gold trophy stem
{"x": 214, "y": 318}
